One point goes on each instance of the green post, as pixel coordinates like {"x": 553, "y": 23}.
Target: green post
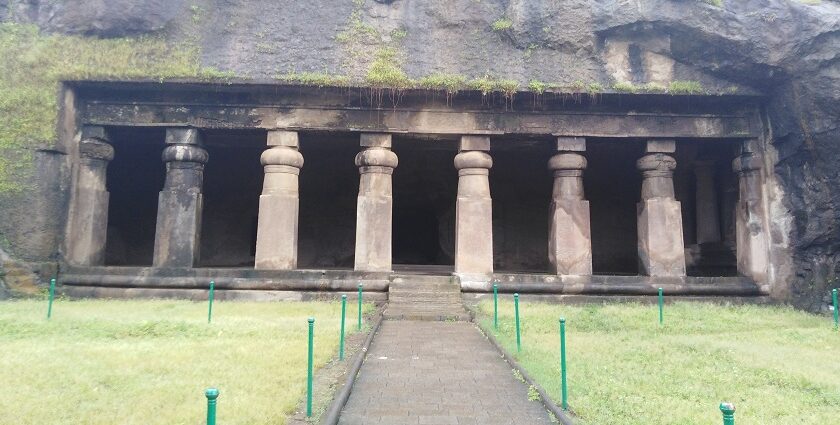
{"x": 341, "y": 338}
{"x": 563, "y": 387}
{"x": 836, "y": 312}
{"x": 661, "y": 306}
{"x": 311, "y": 321}
{"x": 210, "y": 301}
{"x": 495, "y": 306}
{"x": 516, "y": 308}
{"x": 728, "y": 410}
{"x": 212, "y": 394}
{"x": 359, "y": 324}
{"x": 52, "y": 296}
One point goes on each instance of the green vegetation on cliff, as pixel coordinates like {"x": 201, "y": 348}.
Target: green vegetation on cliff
{"x": 33, "y": 64}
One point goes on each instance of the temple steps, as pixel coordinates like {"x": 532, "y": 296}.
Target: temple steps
{"x": 425, "y": 297}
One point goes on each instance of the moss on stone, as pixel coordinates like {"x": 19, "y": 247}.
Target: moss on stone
{"x": 685, "y": 87}
{"x": 502, "y": 24}
{"x": 451, "y": 83}
{"x": 386, "y": 71}
{"x": 538, "y": 87}
{"x": 624, "y": 87}
{"x": 314, "y": 79}
{"x": 33, "y": 64}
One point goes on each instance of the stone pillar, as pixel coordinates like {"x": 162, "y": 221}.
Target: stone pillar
{"x": 474, "y": 208}
{"x": 89, "y": 219}
{"x": 750, "y": 234}
{"x": 661, "y": 248}
{"x": 708, "y": 221}
{"x": 178, "y": 230}
{"x": 569, "y": 239}
{"x": 374, "y": 206}
{"x": 277, "y": 228}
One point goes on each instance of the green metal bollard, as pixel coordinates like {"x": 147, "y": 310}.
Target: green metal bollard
{"x": 728, "y": 410}
{"x": 311, "y": 321}
{"x": 341, "y": 338}
{"x": 359, "y": 324}
{"x": 563, "y": 387}
{"x": 212, "y": 394}
{"x": 210, "y": 301}
{"x": 661, "y": 306}
{"x": 495, "y": 306}
{"x": 52, "y": 297}
{"x": 836, "y": 312}
{"x": 516, "y": 308}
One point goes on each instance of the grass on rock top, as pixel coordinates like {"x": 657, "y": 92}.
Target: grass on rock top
{"x": 777, "y": 365}
{"x": 144, "y": 362}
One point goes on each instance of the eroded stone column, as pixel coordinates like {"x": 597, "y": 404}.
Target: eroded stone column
{"x": 374, "y": 206}
{"x": 89, "y": 219}
{"x": 277, "y": 228}
{"x": 474, "y": 208}
{"x": 708, "y": 222}
{"x": 661, "y": 248}
{"x": 750, "y": 234}
{"x": 569, "y": 239}
{"x": 178, "y": 230}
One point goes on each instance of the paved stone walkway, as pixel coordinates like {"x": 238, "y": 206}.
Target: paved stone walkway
{"x": 437, "y": 373}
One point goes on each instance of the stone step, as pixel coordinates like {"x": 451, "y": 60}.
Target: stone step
{"x": 423, "y": 291}
{"x": 402, "y": 312}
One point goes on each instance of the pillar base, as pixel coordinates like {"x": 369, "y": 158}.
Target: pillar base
{"x": 177, "y": 234}
{"x": 277, "y": 233}
{"x": 661, "y": 248}
{"x": 570, "y": 240}
{"x": 474, "y": 236}
{"x": 373, "y": 234}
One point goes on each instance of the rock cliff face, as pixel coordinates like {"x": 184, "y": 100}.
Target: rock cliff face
{"x": 787, "y": 50}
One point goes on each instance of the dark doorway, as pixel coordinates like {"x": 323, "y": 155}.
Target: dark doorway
{"x": 424, "y": 188}
{"x": 135, "y": 176}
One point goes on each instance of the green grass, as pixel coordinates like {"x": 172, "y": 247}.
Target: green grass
{"x": 32, "y": 65}
{"x": 144, "y": 362}
{"x": 777, "y": 365}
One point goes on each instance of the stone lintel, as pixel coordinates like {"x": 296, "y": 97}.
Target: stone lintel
{"x": 375, "y": 140}
{"x": 96, "y": 132}
{"x": 474, "y": 143}
{"x": 283, "y": 138}
{"x": 183, "y": 136}
{"x": 571, "y": 144}
{"x": 661, "y": 146}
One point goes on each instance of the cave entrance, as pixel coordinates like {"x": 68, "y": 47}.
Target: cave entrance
{"x": 424, "y": 190}
{"x": 134, "y": 178}
{"x": 233, "y": 178}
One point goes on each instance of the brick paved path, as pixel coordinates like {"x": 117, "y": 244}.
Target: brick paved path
{"x": 437, "y": 373}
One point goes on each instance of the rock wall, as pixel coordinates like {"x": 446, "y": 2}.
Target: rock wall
{"x": 785, "y": 49}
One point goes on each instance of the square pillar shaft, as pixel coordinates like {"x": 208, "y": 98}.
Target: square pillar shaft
{"x": 374, "y": 206}
{"x": 277, "y": 228}
{"x": 750, "y": 235}
{"x": 474, "y": 208}
{"x": 89, "y": 214}
{"x": 178, "y": 229}
{"x": 569, "y": 239}
{"x": 660, "y": 231}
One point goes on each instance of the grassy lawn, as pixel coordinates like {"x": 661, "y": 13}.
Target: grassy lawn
{"x": 777, "y": 365}
{"x": 148, "y": 362}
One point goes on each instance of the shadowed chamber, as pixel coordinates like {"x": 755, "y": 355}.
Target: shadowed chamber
{"x": 135, "y": 176}
{"x": 425, "y": 186}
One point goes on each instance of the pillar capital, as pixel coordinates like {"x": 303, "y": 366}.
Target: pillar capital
{"x": 474, "y": 142}
{"x": 282, "y": 159}
{"x": 376, "y": 160}
{"x": 747, "y": 163}
{"x": 96, "y": 149}
{"x": 282, "y": 138}
{"x": 571, "y": 144}
{"x": 567, "y": 164}
{"x": 185, "y": 153}
{"x": 657, "y": 165}
{"x": 473, "y": 162}
{"x": 375, "y": 140}
{"x": 183, "y": 136}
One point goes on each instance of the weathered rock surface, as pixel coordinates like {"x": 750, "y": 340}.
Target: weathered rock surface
{"x": 787, "y": 50}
